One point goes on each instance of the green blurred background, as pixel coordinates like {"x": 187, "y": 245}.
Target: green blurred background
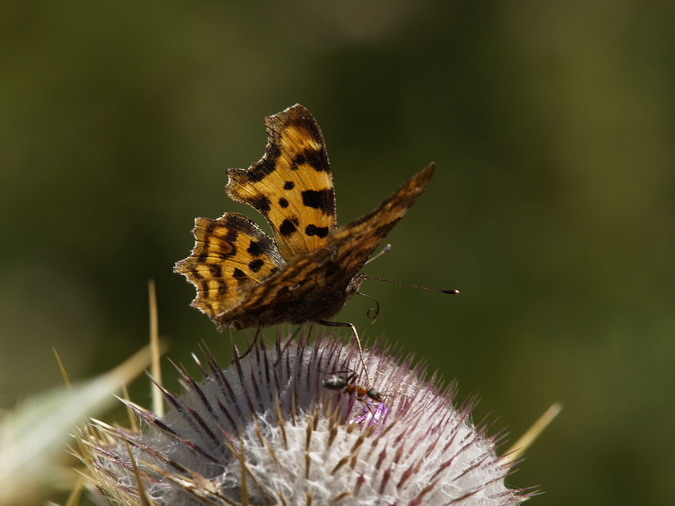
{"x": 553, "y": 207}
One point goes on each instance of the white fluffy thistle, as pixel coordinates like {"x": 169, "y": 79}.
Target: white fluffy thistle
{"x": 267, "y": 431}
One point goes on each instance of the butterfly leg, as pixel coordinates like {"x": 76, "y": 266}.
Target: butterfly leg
{"x": 287, "y": 342}
{"x": 258, "y": 333}
{"x": 327, "y": 323}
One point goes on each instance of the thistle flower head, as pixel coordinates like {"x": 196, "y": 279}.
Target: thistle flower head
{"x": 275, "y": 428}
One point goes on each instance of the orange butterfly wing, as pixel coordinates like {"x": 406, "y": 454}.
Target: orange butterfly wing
{"x": 230, "y": 254}
{"x": 292, "y": 185}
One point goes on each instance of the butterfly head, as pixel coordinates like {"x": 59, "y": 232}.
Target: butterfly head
{"x": 355, "y": 284}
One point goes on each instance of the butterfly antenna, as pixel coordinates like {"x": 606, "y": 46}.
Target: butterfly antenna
{"x": 282, "y": 345}
{"x": 257, "y": 335}
{"x": 373, "y": 312}
{"x": 411, "y": 285}
{"x": 386, "y": 249}
{"x": 235, "y": 350}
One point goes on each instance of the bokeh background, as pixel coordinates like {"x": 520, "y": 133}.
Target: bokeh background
{"x": 552, "y": 209}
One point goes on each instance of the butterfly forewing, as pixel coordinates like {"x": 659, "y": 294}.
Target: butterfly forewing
{"x": 229, "y": 254}
{"x": 354, "y": 243}
{"x": 292, "y": 185}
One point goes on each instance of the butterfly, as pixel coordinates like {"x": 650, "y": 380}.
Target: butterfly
{"x": 244, "y": 278}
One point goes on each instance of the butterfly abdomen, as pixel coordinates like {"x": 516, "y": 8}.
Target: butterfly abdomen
{"x": 296, "y": 304}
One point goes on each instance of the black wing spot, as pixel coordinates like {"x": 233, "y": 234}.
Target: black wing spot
{"x": 317, "y": 159}
{"x": 231, "y": 235}
{"x": 283, "y": 202}
{"x": 261, "y": 170}
{"x": 231, "y": 253}
{"x": 204, "y": 287}
{"x": 288, "y": 226}
{"x": 222, "y": 289}
{"x": 256, "y": 265}
{"x": 322, "y": 199}
{"x": 195, "y": 273}
{"x": 260, "y": 202}
{"x": 318, "y": 231}
{"x": 255, "y": 249}
{"x": 239, "y": 275}
{"x": 273, "y": 152}
{"x": 289, "y": 185}
{"x": 216, "y": 270}
{"x": 298, "y": 160}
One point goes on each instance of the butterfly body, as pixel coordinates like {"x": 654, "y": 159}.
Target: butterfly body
{"x": 294, "y": 304}
{"x": 244, "y": 278}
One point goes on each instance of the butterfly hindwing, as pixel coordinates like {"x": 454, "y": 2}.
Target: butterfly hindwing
{"x": 292, "y": 185}
{"x": 230, "y": 253}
